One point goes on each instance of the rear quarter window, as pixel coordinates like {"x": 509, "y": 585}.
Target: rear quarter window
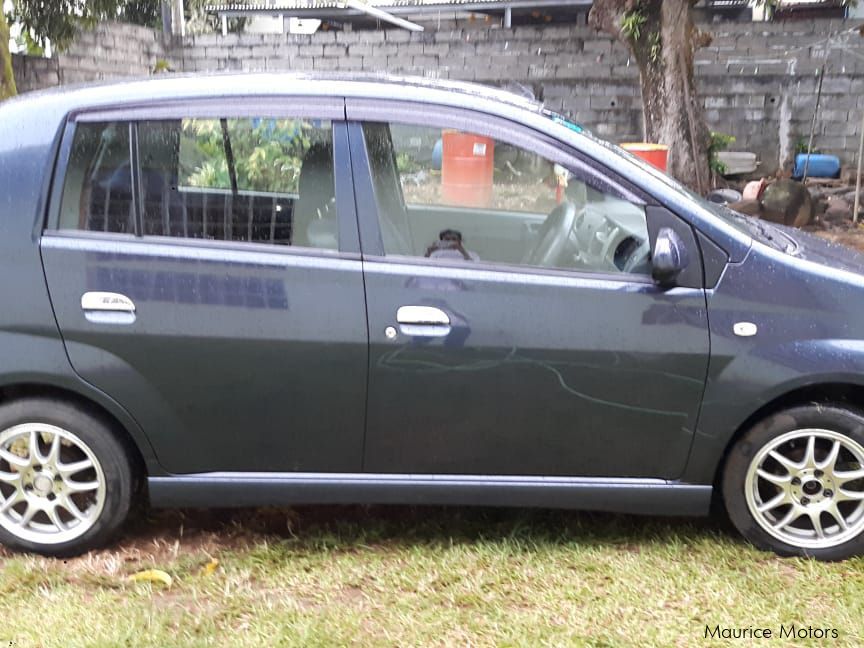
{"x": 97, "y": 189}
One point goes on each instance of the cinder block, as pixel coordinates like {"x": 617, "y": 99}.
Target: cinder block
{"x": 360, "y": 49}
{"x": 348, "y": 37}
{"x": 322, "y": 63}
{"x": 597, "y": 45}
{"x": 436, "y": 49}
{"x": 335, "y": 50}
{"x": 397, "y": 35}
{"x": 424, "y": 61}
{"x": 322, "y": 37}
{"x": 387, "y": 49}
{"x": 370, "y": 36}
{"x": 375, "y": 63}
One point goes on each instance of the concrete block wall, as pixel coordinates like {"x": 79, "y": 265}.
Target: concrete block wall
{"x": 757, "y": 80}
{"x": 110, "y": 51}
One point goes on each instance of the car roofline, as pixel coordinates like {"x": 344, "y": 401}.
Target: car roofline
{"x": 366, "y": 84}
{"x": 51, "y": 106}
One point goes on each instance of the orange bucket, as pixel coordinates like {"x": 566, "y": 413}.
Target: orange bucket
{"x": 655, "y": 154}
{"x": 467, "y": 169}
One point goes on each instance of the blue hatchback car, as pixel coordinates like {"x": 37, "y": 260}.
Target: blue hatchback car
{"x": 277, "y": 289}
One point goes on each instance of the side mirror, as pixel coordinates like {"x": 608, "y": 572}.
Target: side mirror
{"x": 669, "y": 258}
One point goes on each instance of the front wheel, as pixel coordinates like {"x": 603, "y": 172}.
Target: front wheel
{"x": 794, "y": 483}
{"x": 65, "y": 478}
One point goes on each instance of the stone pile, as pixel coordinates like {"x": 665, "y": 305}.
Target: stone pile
{"x": 789, "y": 202}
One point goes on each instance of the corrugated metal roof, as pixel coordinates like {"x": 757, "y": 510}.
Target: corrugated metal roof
{"x": 288, "y": 5}
{"x": 307, "y": 5}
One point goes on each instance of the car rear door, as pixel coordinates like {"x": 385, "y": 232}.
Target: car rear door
{"x": 483, "y": 361}
{"x": 203, "y": 264}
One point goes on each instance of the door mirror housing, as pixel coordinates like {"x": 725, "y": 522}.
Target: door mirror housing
{"x": 669, "y": 258}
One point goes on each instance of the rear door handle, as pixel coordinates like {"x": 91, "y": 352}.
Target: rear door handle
{"x": 423, "y": 321}
{"x": 107, "y": 308}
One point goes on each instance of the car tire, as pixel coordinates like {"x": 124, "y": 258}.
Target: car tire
{"x": 794, "y": 482}
{"x": 70, "y": 492}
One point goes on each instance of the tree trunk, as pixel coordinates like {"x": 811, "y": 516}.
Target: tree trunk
{"x": 7, "y": 80}
{"x": 663, "y": 44}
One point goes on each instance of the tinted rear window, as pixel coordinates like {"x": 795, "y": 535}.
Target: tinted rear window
{"x": 97, "y": 190}
{"x": 254, "y": 179}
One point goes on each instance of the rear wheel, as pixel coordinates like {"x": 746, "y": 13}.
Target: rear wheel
{"x": 65, "y": 478}
{"x": 794, "y": 483}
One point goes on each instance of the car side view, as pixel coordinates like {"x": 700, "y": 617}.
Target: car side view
{"x": 265, "y": 289}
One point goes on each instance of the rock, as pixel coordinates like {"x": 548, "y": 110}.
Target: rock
{"x": 747, "y": 207}
{"x": 838, "y": 211}
{"x": 819, "y": 207}
{"x": 787, "y": 202}
{"x": 847, "y": 175}
{"x": 815, "y": 193}
{"x": 850, "y": 197}
{"x": 724, "y": 196}
{"x": 836, "y": 191}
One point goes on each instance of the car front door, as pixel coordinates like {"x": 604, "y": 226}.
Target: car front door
{"x": 204, "y": 269}
{"x": 514, "y": 325}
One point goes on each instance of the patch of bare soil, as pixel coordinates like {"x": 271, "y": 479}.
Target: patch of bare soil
{"x": 849, "y": 234}
{"x": 160, "y": 537}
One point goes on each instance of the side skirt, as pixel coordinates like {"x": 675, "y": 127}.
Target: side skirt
{"x": 229, "y": 489}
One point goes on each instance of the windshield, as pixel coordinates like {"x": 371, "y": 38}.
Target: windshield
{"x": 749, "y": 225}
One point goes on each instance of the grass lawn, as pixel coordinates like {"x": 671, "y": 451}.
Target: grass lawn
{"x": 397, "y": 576}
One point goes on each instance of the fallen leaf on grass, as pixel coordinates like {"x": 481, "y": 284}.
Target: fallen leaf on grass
{"x": 153, "y": 576}
{"x": 210, "y": 567}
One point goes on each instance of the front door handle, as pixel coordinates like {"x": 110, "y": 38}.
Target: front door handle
{"x": 423, "y": 321}
{"x": 107, "y": 308}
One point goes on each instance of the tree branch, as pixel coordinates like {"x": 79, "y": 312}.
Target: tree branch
{"x": 7, "y": 78}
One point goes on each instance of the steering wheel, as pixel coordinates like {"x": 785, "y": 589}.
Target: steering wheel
{"x": 552, "y": 236}
{"x": 640, "y": 260}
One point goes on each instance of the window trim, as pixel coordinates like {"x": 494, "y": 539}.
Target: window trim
{"x": 510, "y": 268}
{"x": 330, "y": 109}
{"x": 245, "y": 107}
{"x": 360, "y": 111}
{"x": 370, "y": 110}
{"x": 135, "y": 170}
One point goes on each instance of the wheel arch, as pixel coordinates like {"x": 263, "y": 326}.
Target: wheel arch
{"x": 140, "y": 452}
{"x": 835, "y": 393}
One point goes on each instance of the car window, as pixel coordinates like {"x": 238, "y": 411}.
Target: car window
{"x": 97, "y": 189}
{"x": 264, "y": 180}
{"x": 450, "y": 195}
{"x": 259, "y": 179}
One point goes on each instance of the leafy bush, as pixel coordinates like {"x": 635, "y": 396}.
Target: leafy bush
{"x": 719, "y": 142}
{"x": 268, "y": 153}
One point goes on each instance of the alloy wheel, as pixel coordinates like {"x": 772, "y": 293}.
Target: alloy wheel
{"x": 52, "y": 487}
{"x": 806, "y": 488}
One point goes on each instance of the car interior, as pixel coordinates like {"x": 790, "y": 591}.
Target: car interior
{"x": 582, "y": 228}
{"x": 103, "y": 181}
{"x": 587, "y": 230}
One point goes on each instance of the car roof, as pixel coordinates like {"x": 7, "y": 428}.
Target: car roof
{"x": 367, "y": 85}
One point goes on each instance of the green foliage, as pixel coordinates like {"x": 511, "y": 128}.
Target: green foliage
{"x": 655, "y": 45}
{"x": 268, "y": 154}
{"x": 719, "y": 142}
{"x": 142, "y": 12}
{"x": 57, "y": 21}
{"x": 419, "y": 576}
{"x": 199, "y": 21}
{"x": 7, "y": 79}
{"x": 801, "y": 146}
{"x": 632, "y": 23}
{"x": 406, "y": 163}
